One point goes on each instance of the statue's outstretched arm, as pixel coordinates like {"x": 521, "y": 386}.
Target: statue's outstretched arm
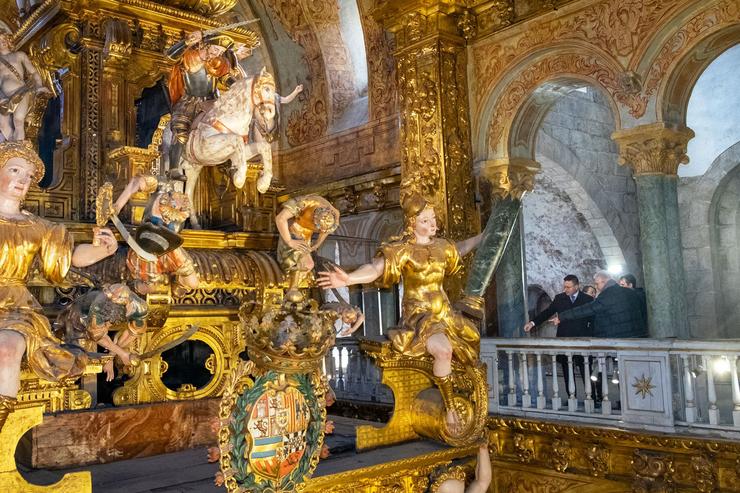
{"x": 290, "y": 97}
{"x": 139, "y": 183}
{"x": 338, "y": 278}
{"x": 104, "y": 244}
{"x": 467, "y": 246}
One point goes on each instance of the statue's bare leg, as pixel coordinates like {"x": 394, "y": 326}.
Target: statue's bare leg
{"x": 440, "y": 348}
{"x": 19, "y": 118}
{"x": 12, "y": 347}
{"x": 6, "y": 127}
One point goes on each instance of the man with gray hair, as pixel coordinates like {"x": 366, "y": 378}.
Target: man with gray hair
{"x": 617, "y": 312}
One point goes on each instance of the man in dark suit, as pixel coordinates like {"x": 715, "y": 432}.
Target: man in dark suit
{"x": 571, "y": 297}
{"x": 617, "y": 312}
{"x": 630, "y": 281}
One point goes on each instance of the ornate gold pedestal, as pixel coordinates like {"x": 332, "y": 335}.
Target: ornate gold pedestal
{"x": 417, "y": 411}
{"x": 18, "y": 423}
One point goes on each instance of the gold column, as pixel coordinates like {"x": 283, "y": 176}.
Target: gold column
{"x": 435, "y": 132}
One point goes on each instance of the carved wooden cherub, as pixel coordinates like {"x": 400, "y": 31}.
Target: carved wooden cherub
{"x": 19, "y": 82}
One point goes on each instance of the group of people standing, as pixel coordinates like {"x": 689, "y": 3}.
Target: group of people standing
{"x": 614, "y": 309}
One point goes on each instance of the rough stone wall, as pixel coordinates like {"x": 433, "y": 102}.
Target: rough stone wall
{"x": 576, "y": 136}
{"x": 708, "y": 207}
{"x": 558, "y": 239}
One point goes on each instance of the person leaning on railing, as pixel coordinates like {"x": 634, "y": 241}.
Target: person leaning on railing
{"x": 617, "y": 311}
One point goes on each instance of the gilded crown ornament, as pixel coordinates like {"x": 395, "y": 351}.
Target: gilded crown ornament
{"x": 291, "y": 338}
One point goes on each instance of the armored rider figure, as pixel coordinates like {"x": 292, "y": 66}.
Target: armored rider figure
{"x": 204, "y": 66}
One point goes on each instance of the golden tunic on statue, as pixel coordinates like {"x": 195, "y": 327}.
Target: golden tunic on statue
{"x": 426, "y": 308}
{"x": 21, "y": 242}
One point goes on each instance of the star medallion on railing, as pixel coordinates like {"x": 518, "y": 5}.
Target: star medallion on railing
{"x": 643, "y": 386}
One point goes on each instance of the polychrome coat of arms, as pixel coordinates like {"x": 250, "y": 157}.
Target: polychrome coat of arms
{"x": 273, "y": 411}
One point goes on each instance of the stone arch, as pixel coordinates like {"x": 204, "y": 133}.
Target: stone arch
{"x": 524, "y": 95}
{"x": 672, "y": 68}
{"x": 724, "y": 223}
{"x": 700, "y": 208}
{"x": 600, "y": 226}
{"x": 311, "y": 34}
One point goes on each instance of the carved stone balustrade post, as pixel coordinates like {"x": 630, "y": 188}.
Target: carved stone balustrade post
{"x": 654, "y": 152}
{"x": 501, "y": 250}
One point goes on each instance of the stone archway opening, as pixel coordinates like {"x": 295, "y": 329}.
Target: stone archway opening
{"x": 724, "y": 218}
{"x": 582, "y": 214}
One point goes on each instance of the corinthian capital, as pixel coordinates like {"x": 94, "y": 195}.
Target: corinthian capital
{"x": 510, "y": 177}
{"x": 653, "y": 149}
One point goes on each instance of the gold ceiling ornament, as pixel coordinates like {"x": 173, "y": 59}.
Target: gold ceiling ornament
{"x": 203, "y": 7}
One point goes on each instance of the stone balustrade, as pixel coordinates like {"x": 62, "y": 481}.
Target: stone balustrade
{"x": 656, "y": 384}
{"x": 353, "y": 375}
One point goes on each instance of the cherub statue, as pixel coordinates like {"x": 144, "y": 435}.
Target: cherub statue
{"x": 24, "y": 238}
{"x": 91, "y": 316}
{"x": 19, "y": 82}
{"x": 297, "y": 222}
{"x": 203, "y": 66}
{"x": 164, "y": 217}
{"x": 266, "y": 118}
{"x": 351, "y": 316}
{"x": 429, "y": 323}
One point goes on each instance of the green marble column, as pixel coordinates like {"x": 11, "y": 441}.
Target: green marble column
{"x": 655, "y": 259}
{"x": 511, "y": 286}
{"x": 493, "y": 245}
{"x": 501, "y": 252}
{"x": 654, "y": 152}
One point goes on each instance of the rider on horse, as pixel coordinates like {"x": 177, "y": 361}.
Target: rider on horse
{"x": 204, "y": 66}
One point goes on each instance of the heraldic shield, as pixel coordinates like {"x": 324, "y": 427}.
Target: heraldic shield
{"x": 277, "y": 429}
{"x": 272, "y": 429}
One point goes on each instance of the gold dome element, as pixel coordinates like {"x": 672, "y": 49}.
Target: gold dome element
{"x": 203, "y": 7}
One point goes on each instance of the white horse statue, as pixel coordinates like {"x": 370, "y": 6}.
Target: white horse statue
{"x": 220, "y": 134}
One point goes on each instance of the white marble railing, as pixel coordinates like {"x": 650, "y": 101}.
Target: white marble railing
{"x": 354, "y": 376}
{"x": 650, "y": 383}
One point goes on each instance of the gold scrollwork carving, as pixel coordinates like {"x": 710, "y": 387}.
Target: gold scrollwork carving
{"x": 467, "y": 25}
{"x": 524, "y": 447}
{"x": 223, "y": 337}
{"x": 562, "y": 454}
{"x": 652, "y": 472}
{"x": 598, "y": 459}
{"x": 705, "y": 476}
